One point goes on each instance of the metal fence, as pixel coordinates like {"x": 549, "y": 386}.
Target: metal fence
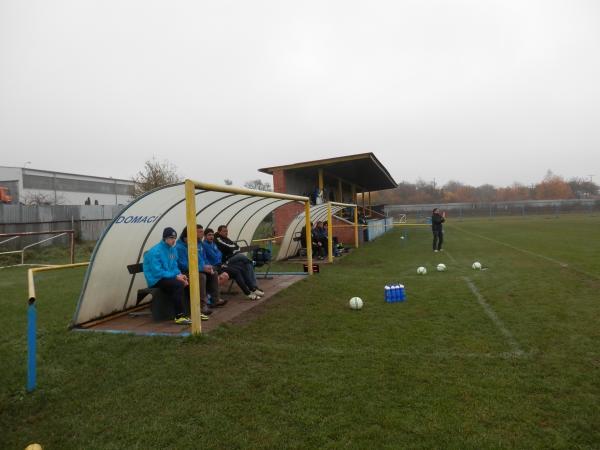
{"x": 417, "y": 213}
{"x": 88, "y": 221}
{"x": 376, "y": 228}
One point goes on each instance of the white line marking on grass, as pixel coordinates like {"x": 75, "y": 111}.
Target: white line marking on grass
{"x": 450, "y": 256}
{"x": 522, "y": 250}
{"x": 516, "y": 348}
{"x": 369, "y": 351}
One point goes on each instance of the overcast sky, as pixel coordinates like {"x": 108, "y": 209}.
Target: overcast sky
{"x": 476, "y": 91}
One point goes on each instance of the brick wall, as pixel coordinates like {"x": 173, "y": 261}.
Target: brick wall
{"x": 346, "y": 234}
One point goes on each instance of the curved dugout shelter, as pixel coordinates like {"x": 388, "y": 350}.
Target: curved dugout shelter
{"x": 318, "y": 213}
{"x": 109, "y": 288}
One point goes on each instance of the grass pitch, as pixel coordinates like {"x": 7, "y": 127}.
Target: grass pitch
{"x": 507, "y": 357}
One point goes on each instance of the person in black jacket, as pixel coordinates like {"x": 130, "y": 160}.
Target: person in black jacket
{"x": 436, "y": 226}
{"x": 231, "y": 253}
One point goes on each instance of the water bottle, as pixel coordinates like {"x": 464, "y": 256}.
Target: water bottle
{"x": 401, "y": 292}
{"x": 394, "y": 293}
{"x": 388, "y": 294}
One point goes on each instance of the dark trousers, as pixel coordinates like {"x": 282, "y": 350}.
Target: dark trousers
{"x": 322, "y": 245}
{"x": 174, "y": 290}
{"x": 208, "y": 283}
{"x": 438, "y": 239}
{"x": 240, "y": 276}
{"x": 242, "y": 261}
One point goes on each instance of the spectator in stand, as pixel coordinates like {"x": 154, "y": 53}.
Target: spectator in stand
{"x": 235, "y": 270}
{"x": 161, "y": 271}
{"x": 209, "y": 281}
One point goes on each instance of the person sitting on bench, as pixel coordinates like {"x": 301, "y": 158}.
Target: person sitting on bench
{"x": 231, "y": 253}
{"x": 209, "y": 281}
{"x": 314, "y": 245}
{"x": 161, "y": 271}
{"x": 235, "y": 270}
{"x": 321, "y": 240}
{"x": 337, "y": 247}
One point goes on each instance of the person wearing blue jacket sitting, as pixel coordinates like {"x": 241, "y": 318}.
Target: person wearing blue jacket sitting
{"x": 161, "y": 271}
{"x": 209, "y": 279}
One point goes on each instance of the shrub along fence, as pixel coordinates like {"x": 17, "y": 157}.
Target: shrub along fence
{"x": 497, "y": 209}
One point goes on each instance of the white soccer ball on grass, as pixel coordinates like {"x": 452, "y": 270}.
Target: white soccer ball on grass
{"x": 441, "y": 267}
{"x": 476, "y": 265}
{"x": 421, "y": 270}
{"x": 356, "y": 303}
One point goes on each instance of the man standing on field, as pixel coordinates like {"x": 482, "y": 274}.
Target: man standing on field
{"x": 436, "y": 226}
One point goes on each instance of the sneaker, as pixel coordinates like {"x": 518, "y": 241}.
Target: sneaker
{"x": 219, "y": 304}
{"x": 252, "y": 296}
{"x": 183, "y": 320}
{"x": 203, "y": 317}
{"x": 435, "y": 251}
{"x": 258, "y": 291}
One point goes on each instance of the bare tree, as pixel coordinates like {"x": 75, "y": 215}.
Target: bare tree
{"x": 258, "y": 184}
{"x": 155, "y": 174}
{"x": 40, "y": 199}
{"x": 583, "y": 188}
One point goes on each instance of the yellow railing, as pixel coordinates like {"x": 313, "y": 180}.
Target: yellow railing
{"x": 32, "y": 320}
{"x": 31, "y": 272}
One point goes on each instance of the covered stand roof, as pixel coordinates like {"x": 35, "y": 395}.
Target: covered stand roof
{"x": 363, "y": 170}
{"x": 109, "y": 288}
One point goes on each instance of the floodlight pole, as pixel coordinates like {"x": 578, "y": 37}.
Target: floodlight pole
{"x": 329, "y": 234}
{"x": 193, "y": 276}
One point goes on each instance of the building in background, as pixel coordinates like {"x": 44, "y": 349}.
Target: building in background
{"x": 344, "y": 179}
{"x": 44, "y": 187}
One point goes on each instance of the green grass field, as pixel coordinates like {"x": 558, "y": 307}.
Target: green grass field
{"x": 507, "y": 357}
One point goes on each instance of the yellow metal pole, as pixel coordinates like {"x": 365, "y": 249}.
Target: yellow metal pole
{"x": 245, "y": 191}
{"x": 31, "y": 284}
{"x": 308, "y": 238}
{"x": 194, "y": 279}
{"x": 329, "y": 234}
{"x": 356, "y": 226}
{"x": 31, "y": 272}
{"x": 362, "y": 196}
{"x": 321, "y": 179}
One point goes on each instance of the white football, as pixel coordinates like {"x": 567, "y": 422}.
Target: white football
{"x": 476, "y": 265}
{"x": 421, "y": 270}
{"x": 356, "y": 303}
{"x": 441, "y": 267}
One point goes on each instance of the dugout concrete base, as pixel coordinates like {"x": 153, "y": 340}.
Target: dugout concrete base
{"x": 139, "y": 321}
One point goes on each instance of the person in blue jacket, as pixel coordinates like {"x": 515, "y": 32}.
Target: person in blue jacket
{"x": 161, "y": 271}
{"x": 209, "y": 278}
{"x": 232, "y": 269}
